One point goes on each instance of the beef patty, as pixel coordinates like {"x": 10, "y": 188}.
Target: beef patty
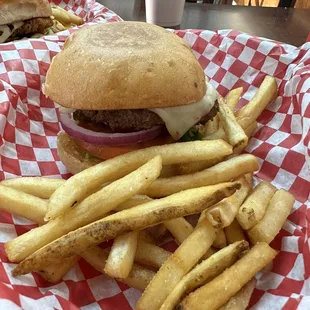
{"x": 128, "y": 120}
{"x": 32, "y": 26}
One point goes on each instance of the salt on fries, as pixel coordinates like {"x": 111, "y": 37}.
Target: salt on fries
{"x": 213, "y": 267}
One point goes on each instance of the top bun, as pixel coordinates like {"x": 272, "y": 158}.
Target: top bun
{"x": 17, "y": 10}
{"x": 124, "y": 65}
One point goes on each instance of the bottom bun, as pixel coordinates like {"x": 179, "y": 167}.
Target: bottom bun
{"x": 72, "y": 156}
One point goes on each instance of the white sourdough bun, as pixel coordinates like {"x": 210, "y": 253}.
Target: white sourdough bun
{"x": 124, "y": 65}
{"x": 19, "y": 10}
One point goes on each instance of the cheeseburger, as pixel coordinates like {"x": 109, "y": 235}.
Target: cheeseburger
{"x": 20, "y": 18}
{"x": 126, "y": 86}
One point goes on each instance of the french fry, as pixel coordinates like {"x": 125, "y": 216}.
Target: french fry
{"x": 241, "y": 300}
{"x": 223, "y": 213}
{"x": 36, "y": 186}
{"x": 177, "y": 266}
{"x": 220, "y": 240}
{"x": 211, "y": 126}
{"x": 234, "y": 232}
{"x": 249, "y": 131}
{"x": 210, "y": 252}
{"x": 218, "y": 134}
{"x": 151, "y": 255}
{"x": 138, "y": 278}
{"x": 91, "y": 209}
{"x": 122, "y": 255}
{"x": 227, "y": 170}
{"x": 157, "y": 231}
{"x": 55, "y": 273}
{"x": 179, "y": 228}
{"x": 254, "y": 207}
{"x": 61, "y": 15}
{"x": 144, "y": 236}
{"x": 234, "y": 132}
{"x": 80, "y": 185}
{"x": 22, "y": 204}
{"x": 211, "y": 296}
{"x": 249, "y": 178}
{"x": 188, "y": 168}
{"x": 137, "y": 218}
{"x": 232, "y": 98}
{"x": 204, "y": 272}
{"x": 277, "y": 212}
{"x": 265, "y": 94}
{"x": 132, "y": 202}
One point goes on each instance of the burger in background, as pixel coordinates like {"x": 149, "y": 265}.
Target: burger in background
{"x": 126, "y": 86}
{"x": 33, "y": 18}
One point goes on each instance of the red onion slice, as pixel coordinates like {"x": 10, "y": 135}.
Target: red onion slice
{"x": 101, "y": 138}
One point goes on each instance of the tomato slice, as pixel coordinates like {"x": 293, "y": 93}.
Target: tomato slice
{"x": 106, "y": 151}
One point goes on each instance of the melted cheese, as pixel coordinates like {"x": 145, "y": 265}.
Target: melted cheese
{"x": 6, "y": 31}
{"x": 180, "y": 119}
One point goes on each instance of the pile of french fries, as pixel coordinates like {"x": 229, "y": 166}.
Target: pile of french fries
{"x": 63, "y": 19}
{"x": 138, "y": 197}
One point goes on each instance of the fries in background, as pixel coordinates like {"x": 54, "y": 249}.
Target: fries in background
{"x": 277, "y": 212}
{"x": 211, "y": 296}
{"x": 265, "y": 94}
{"x": 227, "y": 170}
{"x": 151, "y": 255}
{"x": 220, "y": 239}
{"x": 224, "y": 212}
{"x": 176, "y": 266}
{"x": 232, "y": 98}
{"x": 22, "y": 204}
{"x": 122, "y": 255}
{"x": 254, "y": 207}
{"x": 234, "y": 132}
{"x": 138, "y": 278}
{"x": 204, "y": 272}
{"x": 179, "y": 228}
{"x": 218, "y": 134}
{"x": 234, "y": 232}
{"x": 101, "y": 203}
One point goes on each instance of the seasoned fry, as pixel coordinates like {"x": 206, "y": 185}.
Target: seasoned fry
{"x": 179, "y": 228}
{"x": 224, "y": 212}
{"x": 204, "y": 272}
{"x": 254, "y": 207}
{"x": 234, "y": 232}
{"x": 220, "y": 240}
{"x": 225, "y": 171}
{"x": 188, "y": 168}
{"x": 211, "y": 296}
{"x": 138, "y": 278}
{"x": 151, "y": 255}
{"x": 80, "y": 185}
{"x": 177, "y": 266}
{"x": 232, "y": 98}
{"x": 234, "y": 132}
{"x": 265, "y": 94}
{"x": 36, "y": 186}
{"x": 22, "y": 204}
{"x": 132, "y": 202}
{"x": 277, "y": 211}
{"x": 91, "y": 209}
{"x": 241, "y": 300}
{"x": 122, "y": 255}
{"x": 55, "y": 273}
{"x": 249, "y": 131}
{"x": 156, "y": 211}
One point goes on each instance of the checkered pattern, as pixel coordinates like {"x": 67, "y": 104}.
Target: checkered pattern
{"x": 29, "y": 124}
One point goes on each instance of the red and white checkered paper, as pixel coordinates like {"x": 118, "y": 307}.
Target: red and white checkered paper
{"x": 29, "y": 125}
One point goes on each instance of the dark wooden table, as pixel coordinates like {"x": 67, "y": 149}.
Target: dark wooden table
{"x": 286, "y": 25}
